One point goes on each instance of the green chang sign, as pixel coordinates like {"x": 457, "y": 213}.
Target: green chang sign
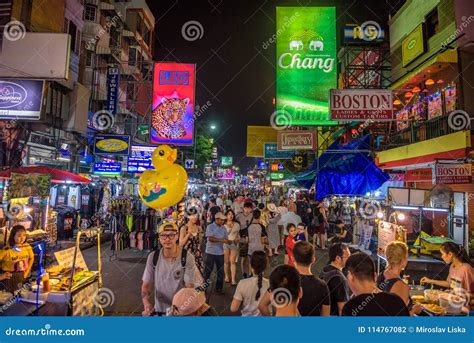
{"x": 306, "y": 64}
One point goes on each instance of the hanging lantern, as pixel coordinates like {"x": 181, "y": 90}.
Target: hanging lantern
{"x": 408, "y": 94}
{"x": 416, "y": 89}
{"x": 397, "y": 102}
{"x": 429, "y": 82}
{"x": 440, "y": 81}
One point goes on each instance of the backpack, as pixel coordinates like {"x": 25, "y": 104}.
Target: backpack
{"x": 328, "y": 276}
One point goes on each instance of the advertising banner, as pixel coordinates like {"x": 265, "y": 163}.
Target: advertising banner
{"x": 369, "y": 32}
{"x": 113, "y": 79}
{"x": 21, "y": 99}
{"x": 297, "y": 140}
{"x": 271, "y": 152}
{"x": 306, "y": 64}
{"x": 107, "y": 168}
{"x": 413, "y": 45}
{"x": 449, "y": 173}
{"x": 112, "y": 145}
{"x": 226, "y": 174}
{"x": 172, "y": 118}
{"x": 361, "y": 104}
{"x": 417, "y": 175}
{"x": 140, "y": 158}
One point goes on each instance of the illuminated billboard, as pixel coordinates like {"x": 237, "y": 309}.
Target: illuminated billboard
{"x": 172, "y": 119}
{"x": 306, "y": 64}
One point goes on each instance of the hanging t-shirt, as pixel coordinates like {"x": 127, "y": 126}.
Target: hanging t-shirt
{"x": 73, "y": 197}
{"x": 16, "y": 259}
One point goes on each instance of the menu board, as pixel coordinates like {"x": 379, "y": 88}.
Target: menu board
{"x": 387, "y": 232}
{"x": 66, "y": 257}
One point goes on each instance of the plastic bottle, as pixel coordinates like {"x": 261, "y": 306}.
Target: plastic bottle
{"x": 46, "y": 284}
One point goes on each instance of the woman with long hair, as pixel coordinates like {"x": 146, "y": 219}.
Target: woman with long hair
{"x": 191, "y": 236}
{"x": 250, "y": 291}
{"x": 461, "y": 273}
{"x": 16, "y": 260}
{"x": 231, "y": 251}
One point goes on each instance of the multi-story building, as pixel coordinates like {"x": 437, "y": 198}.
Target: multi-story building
{"x": 432, "y": 77}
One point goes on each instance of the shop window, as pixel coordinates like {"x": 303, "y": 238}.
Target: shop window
{"x": 432, "y": 23}
{"x": 90, "y": 13}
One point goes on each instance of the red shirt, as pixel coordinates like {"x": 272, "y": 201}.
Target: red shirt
{"x": 290, "y": 244}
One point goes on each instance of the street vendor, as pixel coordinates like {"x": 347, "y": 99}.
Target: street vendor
{"x": 461, "y": 272}
{"x": 16, "y": 260}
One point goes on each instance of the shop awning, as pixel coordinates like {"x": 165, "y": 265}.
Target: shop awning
{"x": 57, "y": 175}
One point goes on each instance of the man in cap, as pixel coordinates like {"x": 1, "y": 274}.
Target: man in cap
{"x": 167, "y": 271}
{"x": 216, "y": 235}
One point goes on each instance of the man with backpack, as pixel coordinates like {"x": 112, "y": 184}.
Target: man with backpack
{"x": 167, "y": 270}
{"x": 335, "y": 279}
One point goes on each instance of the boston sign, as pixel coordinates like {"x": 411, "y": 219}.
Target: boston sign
{"x": 447, "y": 173}
{"x": 297, "y": 140}
{"x": 361, "y": 104}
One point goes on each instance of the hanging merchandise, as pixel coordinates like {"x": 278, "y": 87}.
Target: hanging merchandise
{"x": 165, "y": 185}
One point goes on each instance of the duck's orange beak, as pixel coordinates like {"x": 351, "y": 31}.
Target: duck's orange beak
{"x": 173, "y": 156}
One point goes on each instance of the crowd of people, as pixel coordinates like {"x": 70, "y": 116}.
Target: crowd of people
{"x": 233, "y": 228}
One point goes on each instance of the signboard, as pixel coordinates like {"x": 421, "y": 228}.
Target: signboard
{"x": 449, "y": 173}
{"x": 274, "y": 167}
{"x": 417, "y": 175}
{"x": 369, "y": 32}
{"x": 113, "y": 78}
{"x": 257, "y": 136}
{"x": 297, "y": 140}
{"x": 413, "y": 45}
{"x": 361, "y": 104}
{"x": 21, "y": 99}
{"x": 226, "y": 174}
{"x": 277, "y": 176}
{"x": 271, "y": 152}
{"x": 226, "y": 161}
{"x": 306, "y": 64}
{"x": 140, "y": 158}
{"x": 111, "y": 145}
{"x": 262, "y": 165}
{"x": 66, "y": 257}
{"x": 189, "y": 164}
{"x": 172, "y": 118}
{"x": 103, "y": 168}
{"x": 387, "y": 232}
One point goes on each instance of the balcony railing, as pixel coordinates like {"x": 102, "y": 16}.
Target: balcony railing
{"x": 429, "y": 129}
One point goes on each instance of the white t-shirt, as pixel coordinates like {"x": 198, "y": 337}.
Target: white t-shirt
{"x": 167, "y": 278}
{"x": 255, "y": 238}
{"x": 247, "y": 291}
{"x": 219, "y": 203}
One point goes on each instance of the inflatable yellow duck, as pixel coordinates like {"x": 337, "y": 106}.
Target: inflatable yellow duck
{"x": 165, "y": 185}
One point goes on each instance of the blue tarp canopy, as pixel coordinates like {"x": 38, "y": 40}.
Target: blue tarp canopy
{"x": 344, "y": 169}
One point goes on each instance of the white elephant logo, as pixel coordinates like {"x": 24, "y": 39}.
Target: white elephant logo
{"x": 316, "y": 45}
{"x": 296, "y": 44}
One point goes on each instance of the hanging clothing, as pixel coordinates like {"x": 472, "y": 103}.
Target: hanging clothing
{"x": 74, "y": 197}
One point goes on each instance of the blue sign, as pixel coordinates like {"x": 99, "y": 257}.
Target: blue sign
{"x": 140, "y": 158}
{"x": 271, "y": 152}
{"x": 21, "y": 99}
{"x": 113, "y": 78}
{"x": 174, "y": 77}
{"x": 102, "y": 168}
{"x": 112, "y": 145}
{"x": 262, "y": 165}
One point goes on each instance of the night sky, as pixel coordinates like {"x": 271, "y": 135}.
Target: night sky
{"x": 234, "y": 72}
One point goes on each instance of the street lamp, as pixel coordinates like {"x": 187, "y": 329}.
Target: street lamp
{"x": 213, "y": 127}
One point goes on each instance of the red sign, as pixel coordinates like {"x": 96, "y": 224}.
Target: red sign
{"x": 417, "y": 175}
{"x": 361, "y": 104}
{"x": 448, "y": 173}
{"x": 172, "y": 118}
{"x": 297, "y": 140}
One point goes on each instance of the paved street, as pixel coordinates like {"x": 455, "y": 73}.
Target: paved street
{"x": 122, "y": 274}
